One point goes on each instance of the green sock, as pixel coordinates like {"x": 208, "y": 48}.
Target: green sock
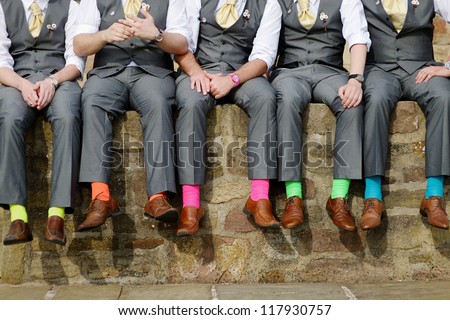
{"x": 18, "y": 212}
{"x": 56, "y": 211}
{"x": 293, "y": 188}
{"x": 340, "y": 188}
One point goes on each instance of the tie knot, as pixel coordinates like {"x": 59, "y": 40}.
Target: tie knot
{"x": 35, "y": 9}
{"x": 231, "y": 2}
{"x": 304, "y": 5}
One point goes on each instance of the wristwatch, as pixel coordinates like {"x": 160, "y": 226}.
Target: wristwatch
{"x": 159, "y": 36}
{"x": 447, "y": 65}
{"x": 358, "y": 77}
{"x": 235, "y": 79}
{"x": 54, "y": 81}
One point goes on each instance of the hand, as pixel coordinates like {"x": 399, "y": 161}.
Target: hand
{"x": 351, "y": 94}
{"x": 117, "y": 32}
{"x": 30, "y": 96}
{"x": 427, "y": 73}
{"x": 142, "y": 28}
{"x": 220, "y": 85}
{"x": 46, "y": 91}
{"x": 200, "y": 82}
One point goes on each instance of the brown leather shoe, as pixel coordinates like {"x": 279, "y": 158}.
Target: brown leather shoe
{"x": 189, "y": 220}
{"x": 293, "y": 213}
{"x": 372, "y": 213}
{"x": 160, "y": 209}
{"x": 19, "y": 232}
{"x": 97, "y": 213}
{"x": 434, "y": 209}
{"x": 340, "y": 213}
{"x": 54, "y": 230}
{"x": 261, "y": 211}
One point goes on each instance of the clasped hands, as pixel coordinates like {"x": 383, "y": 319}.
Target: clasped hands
{"x": 217, "y": 85}
{"x": 134, "y": 26}
{"x": 39, "y": 94}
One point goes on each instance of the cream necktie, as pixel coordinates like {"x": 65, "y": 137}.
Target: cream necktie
{"x": 396, "y": 9}
{"x": 307, "y": 19}
{"x": 36, "y": 20}
{"x": 132, "y": 7}
{"x": 228, "y": 14}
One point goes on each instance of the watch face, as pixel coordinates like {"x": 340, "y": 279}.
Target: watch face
{"x": 447, "y": 65}
{"x": 159, "y": 37}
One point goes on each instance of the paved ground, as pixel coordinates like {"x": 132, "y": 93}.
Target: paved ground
{"x": 422, "y": 290}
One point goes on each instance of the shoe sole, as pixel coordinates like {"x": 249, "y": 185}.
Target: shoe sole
{"x": 169, "y": 216}
{"x": 9, "y": 243}
{"x": 61, "y": 243}
{"x": 249, "y": 215}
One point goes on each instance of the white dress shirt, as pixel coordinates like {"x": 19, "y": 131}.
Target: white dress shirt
{"x": 7, "y": 61}
{"x": 442, "y": 7}
{"x": 176, "y": 22}
{"x": 265, "y": 44}
{"x": 354, "y": 23}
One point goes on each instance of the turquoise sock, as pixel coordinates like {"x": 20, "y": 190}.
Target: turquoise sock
{"x": 435, "y": 186}
{"x": 293, "y": 188}
{"x": 373, "y": 188}
{"x": 340, "y": 188}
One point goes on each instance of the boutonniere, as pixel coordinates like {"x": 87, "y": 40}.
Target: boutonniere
{"x": 324, "y": 18}
{"x": 246, "y": 14}
{"x": 51, "y": 27}
{"x": 415, "y": 4}
{"x": 145, "y": 6}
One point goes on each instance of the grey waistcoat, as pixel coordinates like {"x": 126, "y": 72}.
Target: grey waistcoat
{"x": 411, "y": 48}
{"x": 232, "y": 45}
{"x": 117, "y": 55}
{"x": 45, "y": 53}
{"x": 323, "y": 43}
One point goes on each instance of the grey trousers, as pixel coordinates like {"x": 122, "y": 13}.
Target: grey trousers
{"x": 382, "y": 91}
{"x": 103, "y": 100}
{"x": 295, "y": 89}
{"x": 16, "y": 117}
{"x": 256, "y": 97}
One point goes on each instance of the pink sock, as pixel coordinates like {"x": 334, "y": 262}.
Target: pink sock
{"x": 260, "y": 189}
{"x": 191, "y": 195}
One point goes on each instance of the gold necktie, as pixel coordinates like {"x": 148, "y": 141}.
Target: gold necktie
{"x": 396, "y": 9}
{"x": 132, "y": 7}
{"x": 307, "y": 19}
{"x": 36, "y": 20}
{"x": 227, "y": 15}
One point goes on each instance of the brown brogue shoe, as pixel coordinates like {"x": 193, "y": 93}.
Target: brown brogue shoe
{"x": 54, "y": 230}
{"x": 293, "y": 213}
{"x": 97, "y": 213}
{"x": 434, "y": 209}
{"x": 19, "y": 232}
{"x": 340, "y": 214}
{"x": 261, "y": 211}
{"x": 372, "y": 213}
{"x": 189, "y": 221}
{"x": 160, "y": 209}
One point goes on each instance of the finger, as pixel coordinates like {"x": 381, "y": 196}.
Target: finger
{"x": 126, "y": 23}
{"x": 145, "y": 13}
{"x": 207, "y": 86}
{"x": 428, "y": 77}
{"x": 132, "y": 17}
{"x": 341, "y": 93}
{"x": 198, "y": 86}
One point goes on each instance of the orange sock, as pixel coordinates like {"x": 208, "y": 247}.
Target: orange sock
{"x": 156, "y": 195}
{"x": 100, "y": 191}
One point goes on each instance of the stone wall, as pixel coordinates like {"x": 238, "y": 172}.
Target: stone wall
{"x": 229, "y": 248}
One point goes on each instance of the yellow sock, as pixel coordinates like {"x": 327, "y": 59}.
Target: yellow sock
{"x": 56, "y": 211}
{"x": 18, "y": 212}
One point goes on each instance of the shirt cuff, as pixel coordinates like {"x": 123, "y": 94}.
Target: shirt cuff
{"x": 86, "y": 28}
{"x": 4, "y": 64}
{"x": 359, "y": 40}
{"x": 269, "y": 62}
{"x": 78, "y": 62}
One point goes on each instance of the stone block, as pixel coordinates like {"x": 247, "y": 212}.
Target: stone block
{"x": 237, "y": 222}
{"x": 405, "y": 118}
